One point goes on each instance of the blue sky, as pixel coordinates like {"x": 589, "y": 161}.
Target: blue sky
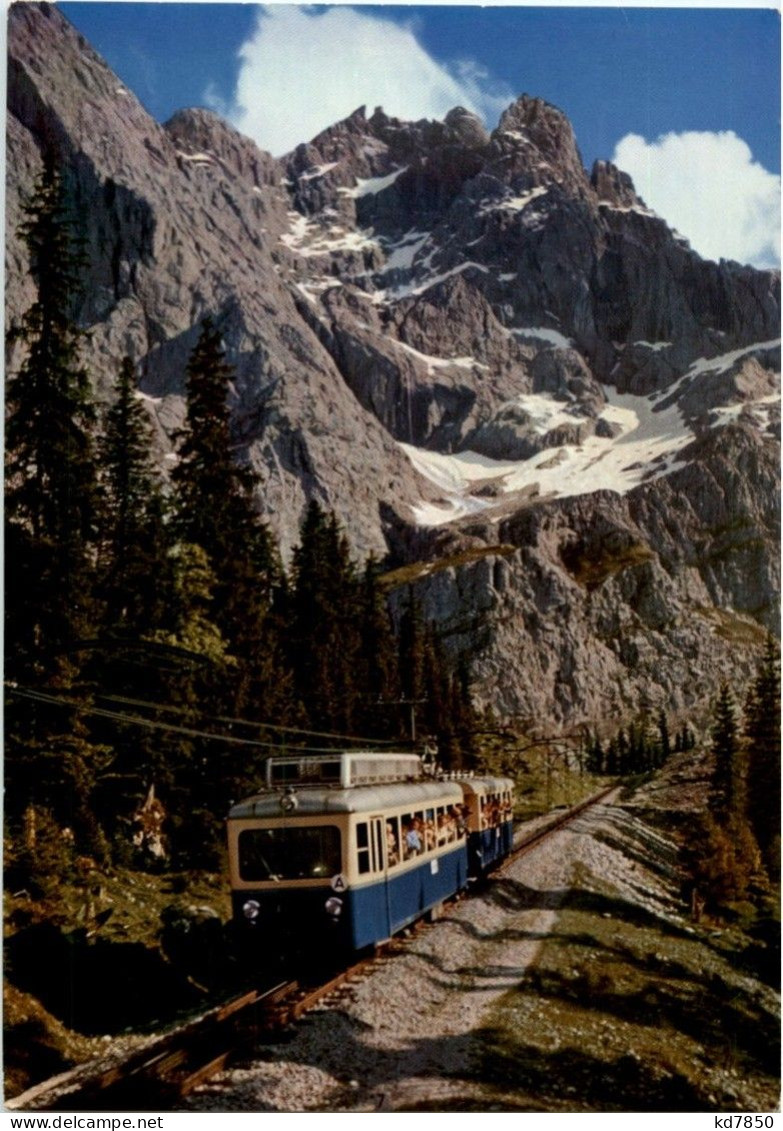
{"x": 655, "y": 85}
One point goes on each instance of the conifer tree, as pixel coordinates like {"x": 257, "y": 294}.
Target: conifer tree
{"x": 725, "y": 798}
{"x": 461, "y": 720}
{"x": 377, "y": 670}
{"x": 133, "y": 571}
{"x": 411, "y": 650}
{"x": 51, "y": 476}
{"x": 613, "y": 757}
{"x": 762, "y": 730}
{"x": 135, "y": 542}
{"x": 664, "y": 741}
{"x": 324, "y": 636}
{"x": 635, "y": 757}
{"x": 214, "y": 510}
{"x": 437, "y": 689}
{"x": 192, "y": 776}
{"x": 595, "y": 755}
{"x": 214, "y": 500}
{"x": 51, "y": 528}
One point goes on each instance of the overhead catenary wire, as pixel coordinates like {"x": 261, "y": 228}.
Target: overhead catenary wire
{"x": 154, "y": 724}
{"x": 249, "y": 722}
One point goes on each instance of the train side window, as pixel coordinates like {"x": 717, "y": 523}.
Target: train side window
{"x": 393, "y": 855}
{"x": 494, "y": 810}
{"x": 420, "y": 824}
{"x": 363, "y": 848}
{"x": 440, "y": 824}
{"x": 453, "y": 819}
{"x": 412, "y": 838}
{"x": 430, "y": 833}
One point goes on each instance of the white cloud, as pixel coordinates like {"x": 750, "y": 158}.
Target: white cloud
{"x": 304, "y": 69}
{"x": 708, "y": 187}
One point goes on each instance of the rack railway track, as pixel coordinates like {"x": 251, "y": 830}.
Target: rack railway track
{"x": 166, "y": 1069}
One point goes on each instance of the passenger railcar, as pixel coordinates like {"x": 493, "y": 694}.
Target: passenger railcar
{"x": 340, "y": 852}
{"x": 489, "y": 804}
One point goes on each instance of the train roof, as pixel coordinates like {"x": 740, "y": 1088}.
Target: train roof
{"x": 343, "y": 768}
{"x": 356, "y": 799}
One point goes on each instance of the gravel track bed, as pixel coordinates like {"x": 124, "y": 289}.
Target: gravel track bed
{"x": 406, "y": 1034}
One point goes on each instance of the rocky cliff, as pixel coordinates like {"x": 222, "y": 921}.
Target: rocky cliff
{"x": 505, "y": 373}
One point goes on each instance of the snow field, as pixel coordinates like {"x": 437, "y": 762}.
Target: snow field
{"x": 647, "y": 447}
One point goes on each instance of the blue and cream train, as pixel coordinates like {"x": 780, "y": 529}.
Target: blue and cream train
{"x": 339, "y": 852}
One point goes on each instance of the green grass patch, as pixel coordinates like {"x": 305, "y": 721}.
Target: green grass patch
{"x": 539, "y": 791}
{"x": 619, "y": 1014}
{"x": 416, "y": 571}
{"x": 592, "y": 566}
{"x": 734, "y": 627}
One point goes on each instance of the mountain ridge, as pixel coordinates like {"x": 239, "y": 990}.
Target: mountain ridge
{"x": 389, "y": 292}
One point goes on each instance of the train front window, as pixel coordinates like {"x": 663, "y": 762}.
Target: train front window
{"x": 298, "y": 852}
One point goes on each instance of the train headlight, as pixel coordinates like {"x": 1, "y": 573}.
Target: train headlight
{"x": 251, "y": 909}
{"x": 289, "y": 802}
{"x": 334, "y": 907}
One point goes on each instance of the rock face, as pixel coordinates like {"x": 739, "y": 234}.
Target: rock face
{"x": 479, "y": 356}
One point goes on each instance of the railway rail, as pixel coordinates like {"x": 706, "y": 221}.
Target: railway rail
{"x": 169, "y": 1067}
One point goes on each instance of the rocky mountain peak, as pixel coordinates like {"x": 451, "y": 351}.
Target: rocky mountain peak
{"x": 468, "y": 127}
{"x": 200, "y": 134}
{"x": 337, "y": 141}
{"x": 538, "y": 139}
{"x": 613, "y": 186}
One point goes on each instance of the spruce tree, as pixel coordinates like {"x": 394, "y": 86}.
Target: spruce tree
{"x": 725, "y": 798}
{"x": 51, "y": 475}
{"x": 463, "y": 718}
{"x": 596, "y": 759}
{"x": 613, "y": 757}
{"x": 51, "y": 529}
{"x": 135, "y": 540}
{"x": 324, "y": 637}
{"x": 214, "y": 510}
{"x": 378, "y": 676}
{"x": 437, "y": 688}
{"x": 214, "y": 500}
{"x": 762, "y": 730}
{"x": 192, "y": 776}
{"x": 411, "y": 650}
{"x": 664, "y": 741}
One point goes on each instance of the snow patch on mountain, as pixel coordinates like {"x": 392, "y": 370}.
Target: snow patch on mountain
{"x": 371, "y": 186}
{"x": 409, "y": 290}
{"x": 401, "y": 255}
{"x": 543, "y": 334}
{"x": 546, "y": 414}
{"x": 725, "y": 361}
{"x": 433, "y": 363}
{"x": 307, "y": 238}
{"x": 512, "y": 202}
{"x": 647, "y": 447}
{"x": 318, "y": 171}
{"x": 758, "y": 411}
{"x": 197, "y": 158}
